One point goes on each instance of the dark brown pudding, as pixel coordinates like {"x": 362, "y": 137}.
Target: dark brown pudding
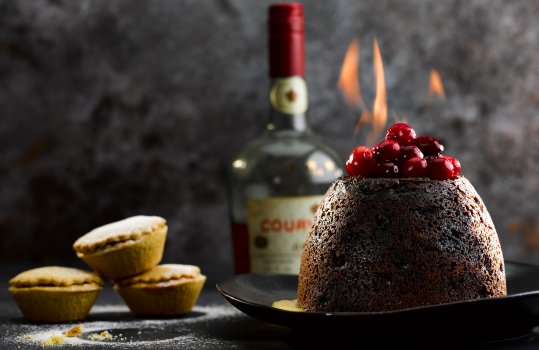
{"x": 388, "y": 244}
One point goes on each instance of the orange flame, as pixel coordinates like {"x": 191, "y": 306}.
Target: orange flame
{"x": 349, "y": 84}
{"x": 379, "y": 107}
{"x": 348, "y": 79}
{"x": 436, "y": 88}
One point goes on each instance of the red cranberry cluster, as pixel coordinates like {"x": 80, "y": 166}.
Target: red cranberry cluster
{"x": 402, "y": 154}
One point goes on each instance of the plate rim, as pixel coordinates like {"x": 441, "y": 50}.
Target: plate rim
{"x": 346, "y": 314}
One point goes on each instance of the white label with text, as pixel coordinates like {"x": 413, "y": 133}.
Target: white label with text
{"x": 277, "y": 229}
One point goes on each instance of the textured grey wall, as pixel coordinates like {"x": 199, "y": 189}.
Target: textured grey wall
{"x": 113, "y": 108}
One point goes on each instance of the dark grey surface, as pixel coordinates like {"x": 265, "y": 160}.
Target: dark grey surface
{"x": 234, "y": 332}
{"x": 114, "y": 108}
{"x": 199, "y": 330}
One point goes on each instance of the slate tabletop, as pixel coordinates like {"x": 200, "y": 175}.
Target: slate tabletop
{"x": 213, "y": 324}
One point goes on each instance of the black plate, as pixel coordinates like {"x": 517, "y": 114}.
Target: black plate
{"x": 477, "y": 320}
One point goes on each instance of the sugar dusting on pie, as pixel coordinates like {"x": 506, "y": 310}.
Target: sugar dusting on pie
{"x": 131, "y": 228}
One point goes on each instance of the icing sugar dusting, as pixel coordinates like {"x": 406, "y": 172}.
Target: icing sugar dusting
{"x": 126, "y": 333}
{"x": 130, "y": 226}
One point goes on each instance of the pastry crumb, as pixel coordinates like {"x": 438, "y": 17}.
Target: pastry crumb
{"x": 55, "y": 339}
{"x": 74, "y": 332}
{"x": 105, "y": 335}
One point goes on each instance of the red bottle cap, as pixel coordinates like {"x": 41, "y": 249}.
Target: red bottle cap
{"x": 286, "y": 40}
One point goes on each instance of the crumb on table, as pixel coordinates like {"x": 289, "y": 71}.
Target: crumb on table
{"x": 74, "y": 332}
{"x": 105, "y": 335}
{"x": 55, "y": 339}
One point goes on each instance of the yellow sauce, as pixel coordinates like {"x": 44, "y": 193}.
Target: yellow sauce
{"x": 287, "y": 305}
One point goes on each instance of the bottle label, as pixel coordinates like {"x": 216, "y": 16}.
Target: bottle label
{"x": 289, "y": 95}
{"x": 277, "y": 229}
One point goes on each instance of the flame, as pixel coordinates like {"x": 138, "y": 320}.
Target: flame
{"x": 379, "y": 107}
{"x": 349, "y": 84}
{"x": 436, "y": 88}
{"x": 348, "y": 79}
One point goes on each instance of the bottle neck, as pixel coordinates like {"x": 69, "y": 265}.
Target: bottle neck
{"x": 287, "y": 122}
{"x": 288, "y": 101}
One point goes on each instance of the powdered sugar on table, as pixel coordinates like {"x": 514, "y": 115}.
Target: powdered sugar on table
{"x": 126, "y": 331}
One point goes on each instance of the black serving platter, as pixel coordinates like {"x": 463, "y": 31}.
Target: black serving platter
{"x": 472, "y": 320}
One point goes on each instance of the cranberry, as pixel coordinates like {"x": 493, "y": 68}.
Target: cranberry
{"x": 430, "y": 146}
{"x": 402, "y": 133}
{"x": 361, "y": 162}
{"x": 387, "y": 151}
{"x": 440, "y": 169}
{"x": 414, "y": 167}
{"x": 456, "y": 165}
{"x": 386, "y": 170}
{"x": 409, "y": 152}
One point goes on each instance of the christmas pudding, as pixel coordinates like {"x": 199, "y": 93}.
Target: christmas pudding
{"x": 403, "y": 230}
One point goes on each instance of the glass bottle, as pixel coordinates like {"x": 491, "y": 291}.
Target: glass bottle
{"x": 278, "y": 180}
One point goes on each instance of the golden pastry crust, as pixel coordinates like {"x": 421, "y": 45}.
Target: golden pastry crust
{"x": 55, "y": 276}
{"x": 55, "y": 294}
{"x": 55, "y": 304}
{"x": 130, "y": 229}
{"x": 128, "y": 258}
{"x": 163, "y": 273}
{"x": 86, "y": 287}
{"x": 170, "y": 289}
